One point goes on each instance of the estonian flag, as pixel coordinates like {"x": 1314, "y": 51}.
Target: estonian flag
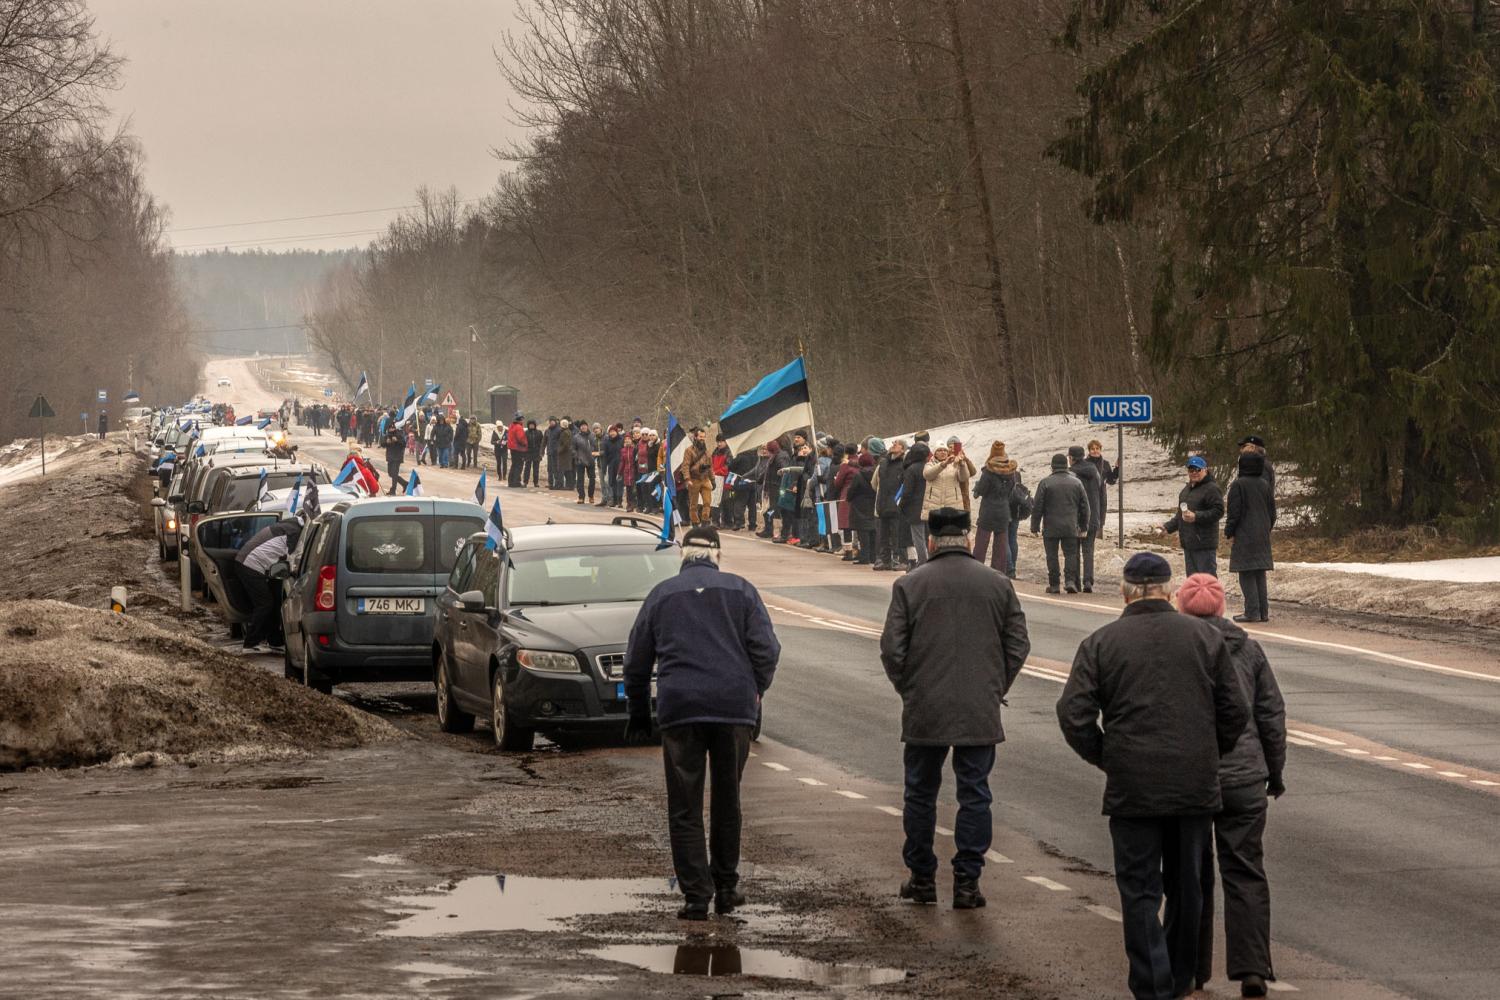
{"x": 494, "y": 528}
{"x": 260, "y": 487}
{"x": 479, "y": 490}
{"x": 244, "y": 420}
{"x": 668, "y": 494}
{"x": 409, "y": 407}
{"x": 363, "y": 387}
{"x": 311, "y": 506}
{"x": 828, "y": 517}
{"x": 779, "y": 403}
{"x": 263, "y": 424}
{"x": 296, "y": 494}
{"x": 414, "y": 484}
{"x": 432, "y": 393}
{"x": 677, "y": 445}
{"x": 345, "y": 473}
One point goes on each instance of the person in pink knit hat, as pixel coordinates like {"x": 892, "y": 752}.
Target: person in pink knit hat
{"x": 1247, "y": 774}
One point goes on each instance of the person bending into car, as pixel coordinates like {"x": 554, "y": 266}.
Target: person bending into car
{"x": 709, "y": 637}
{"x": 267, "y": 546}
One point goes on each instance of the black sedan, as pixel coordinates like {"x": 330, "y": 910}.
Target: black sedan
{"x": 531, "y": 634}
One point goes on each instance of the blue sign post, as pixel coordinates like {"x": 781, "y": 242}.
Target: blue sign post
{"x": 1134, "y": 409}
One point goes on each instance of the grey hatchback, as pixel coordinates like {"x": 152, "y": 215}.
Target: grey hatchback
{"x": 359, "y": 599}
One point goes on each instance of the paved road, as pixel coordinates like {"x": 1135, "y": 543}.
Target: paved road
{"x": 1383, "y": 854}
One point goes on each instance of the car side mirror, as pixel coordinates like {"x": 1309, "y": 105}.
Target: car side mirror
{"x": 278, "y": 570}
{"x": 158, "y": 502}
{"x": 197, "y": 507}
{"x": 472, "y": 601}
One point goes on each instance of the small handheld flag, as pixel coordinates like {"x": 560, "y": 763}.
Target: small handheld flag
{"x": 244, "y": 420}
{"x": 263, "y": 424}
{"x": 344, "y": 473}
{"x": 667, "y": 514}
{"x": 311, "y": 507}
{"x": 479, "y": 490}
{"x": 494, "y": 528}
{"x": 414, "y": 484}
{"x": 296, "y": 494}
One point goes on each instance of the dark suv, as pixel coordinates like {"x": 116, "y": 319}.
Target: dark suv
{"x": 359, "y": 597}
{"x": 532, "y": 635}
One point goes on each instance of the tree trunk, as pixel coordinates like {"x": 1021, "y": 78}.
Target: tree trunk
{"x": 986, "y": 213}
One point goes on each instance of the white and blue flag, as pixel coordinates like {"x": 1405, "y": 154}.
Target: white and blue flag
{"x": 363, "y": 387}
{"x": 479, "y": 489}
{"x": 779, "y": 403}
{"x": 494, "y": 528}
{"x": 413, "y": 484}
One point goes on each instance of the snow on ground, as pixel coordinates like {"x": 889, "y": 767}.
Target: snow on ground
{"x": 1485, "y": 569}
{"x": 1152, "y": 479}
{"x": 22, "y": 459}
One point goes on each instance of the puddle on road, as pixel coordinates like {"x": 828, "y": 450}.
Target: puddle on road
{"x": 718, "y": 959}
{"x": 508, "y": 903}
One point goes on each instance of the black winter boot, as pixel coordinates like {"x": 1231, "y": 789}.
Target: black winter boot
{"x": 1252, "y": 986}
{"x": 919, "y": 889}
{"x": 694, "y": 909}
{"x": 966, "y": 895}
{"x": 728, "y": 900}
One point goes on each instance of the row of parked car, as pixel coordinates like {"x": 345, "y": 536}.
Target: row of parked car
{"x": 527, "y": 633}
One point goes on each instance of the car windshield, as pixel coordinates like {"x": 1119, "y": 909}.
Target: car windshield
{"x": 242, "y": 491}
{"x": 588, "y": 576}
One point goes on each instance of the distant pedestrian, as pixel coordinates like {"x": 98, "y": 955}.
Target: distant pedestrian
{"x": 996, "y": 481}
{"x": 910, "y": 503}
{"x": 1247, "y": 774}
{"x": 1109, "y": 475}
{"x": 394, "y": 443}
{"x": 535, "y": 442}
{"x": 1088, "y": 475}
{"x": 103, "y": 425}
{"x": 583, "y": 460}
{"x": 698, "y": 472}
{"x": 1153, "y": 700}
{"x": 1253, "y": 443}
{"x": 954, "y": 642}
{"x": 709, "y": 637}
{"x": 1061, "y": 512}
{"x": 518, "y": 445}
{"x": 1252, "y": 515}
{"x": 1200, "y": 506}
{"x": 460, "y": 442}
{"x": 442, "y": 441}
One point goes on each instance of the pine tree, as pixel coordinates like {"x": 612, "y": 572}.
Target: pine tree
{"x": 1325, "y": 179}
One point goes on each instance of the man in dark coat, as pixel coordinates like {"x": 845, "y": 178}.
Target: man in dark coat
{"x": 442, "y": 440}
{"x": 531, "y": 471}
{"x": 913, "y": 492}
{"x": 460, "y": 443}
{"x": 1164, "y": 687}
{"x": 954, "y": 642}
{"x": 1247, "y": 775}
{"x": 1200, "y": 506}
{"x": 1251, "y": 442}
{"x": 1252, "y": 515}
{"x": 890, "y": 533}
{"x": 1088, "y": 475}
{"x": 709, "y": 636}
{"x": 1061, "y": 512}
{"x": 553, "y": 434}
{"x": 394, "y": 444}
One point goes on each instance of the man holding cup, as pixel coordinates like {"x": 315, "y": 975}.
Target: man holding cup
{"x": 1200, "y": 507}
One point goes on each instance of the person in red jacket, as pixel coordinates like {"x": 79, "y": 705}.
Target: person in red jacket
{"x": 719, "y": 457}
{"x": 517, "y": 445}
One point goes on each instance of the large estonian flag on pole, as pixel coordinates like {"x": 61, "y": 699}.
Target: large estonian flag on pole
{"x": 363, "y": 387}
{"x": 779, "y": 403}
{"x": 677, "y": 445}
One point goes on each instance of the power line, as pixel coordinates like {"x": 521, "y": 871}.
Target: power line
{"x": 304, "y": 218}
{"x": 248, "y": 329}
{"x": 276, "y": 239}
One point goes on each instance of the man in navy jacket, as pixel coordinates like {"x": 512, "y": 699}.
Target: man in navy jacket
{"x": 709, "y": 636}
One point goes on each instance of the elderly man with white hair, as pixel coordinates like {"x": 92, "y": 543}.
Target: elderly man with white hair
{"x": 709, "y": 636}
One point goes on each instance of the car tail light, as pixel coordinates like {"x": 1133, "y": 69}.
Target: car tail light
{"x": 327, "y": 584}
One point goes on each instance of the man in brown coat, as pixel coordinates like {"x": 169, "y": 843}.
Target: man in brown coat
{"x": 698, "y": 473}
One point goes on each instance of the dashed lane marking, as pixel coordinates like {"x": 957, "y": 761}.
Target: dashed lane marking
{"x": 1316, "y": 738}
{"x": 1279, "y": 986}
{"x": 1357, "y": 751}
{"x": 1416, "y": 765}
{"x": 774, "y": 766}
{"x": 889, "y": 810}
{"x": 810, "y": 781}
{"x": 1453, "y": 774}
{"x": 1383, "y": 757}
{"x": 1487, "y": 784}
{"x": 1105, "y": 912}
{"x": 1046, "y": 883}
{"x": 848, "y": 794}
{"x": 943, "y": 831}
{"x": 997, "y": 858}
{"x": 1298, "y": 741}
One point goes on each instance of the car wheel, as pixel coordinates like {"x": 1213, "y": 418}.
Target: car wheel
{"x": 161, "y": 550}
{"x": 288, "y": 668}
{"x": 451, "y": 718}
{"x": 312, "y": 678}
{"x": 508, "y": 735}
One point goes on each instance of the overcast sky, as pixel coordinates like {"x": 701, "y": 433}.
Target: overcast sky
{"x": 269, "y": 109}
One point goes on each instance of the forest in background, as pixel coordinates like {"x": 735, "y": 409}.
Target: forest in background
{"x": 243, "y": 301}
{"x": 1280, "y": 218}
{"x": 87, "y": 295}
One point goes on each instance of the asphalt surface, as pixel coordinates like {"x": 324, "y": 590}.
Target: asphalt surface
{"x": 1383, "y": 854}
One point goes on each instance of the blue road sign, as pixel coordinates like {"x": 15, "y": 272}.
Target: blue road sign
{"x": 1119, "y": 409}
{"x": 327, "y": 390}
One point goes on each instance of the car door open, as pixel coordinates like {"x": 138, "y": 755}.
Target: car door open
{"x": 216, "y": 542}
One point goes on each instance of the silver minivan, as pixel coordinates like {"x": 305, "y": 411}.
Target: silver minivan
{"x": 359, "y": 595}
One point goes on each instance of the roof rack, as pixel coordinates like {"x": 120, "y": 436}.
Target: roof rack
{"x": 631, "y": 520}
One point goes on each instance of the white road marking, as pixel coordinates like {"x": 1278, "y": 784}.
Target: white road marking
{"x": 943, "y": 831}
{"x": 889, "y": 810}
{"x": 1383, "y": 757}
{"x": 1481, "y": 781}
{"x": 1045, "y": 674}
{"x": 1453, "y": 774}
{"x": 1279, "y": 986}
{"x": 754, "y": 754}
{"x": 848, "y": 794}
{"x": 810, "y": 781}
{"x": 774, "y": 766}
{"x": 1357, "y": 752}
{"x": 998, "y": 858}
{"x": 1416, "y": 765}
{"x": 1106, "y": 913}
{"x": 1299, "y": 742}
{"x": 1047, "y": 883}
{"x": 1316, "y": 738}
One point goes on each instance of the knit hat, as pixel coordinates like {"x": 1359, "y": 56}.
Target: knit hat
{"x": 997, "y": 450}
{"x": 922, "y": 436}
{"x": 1201, "y": 595}
{"x": 877, "y": 447}
{"x": 1147, "y": 567}
{"x": 1059, "y": 462}
{"x": 1075, "y": 452}
{"x": 954, "y": 442}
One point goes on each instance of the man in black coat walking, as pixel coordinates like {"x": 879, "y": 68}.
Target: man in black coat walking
{"x": 709, "y": 636}
{"x": 1153, "y": 701}
{"x": 954, "y": 642}
{"x": 1252, "y": 515}
{"x": 1061, "y": 511}
{"x": 1088, "y": 475}
{"x": 1200, "y": 507}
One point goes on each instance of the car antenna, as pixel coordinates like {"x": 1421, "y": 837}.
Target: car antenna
{"x": 549, "y": 520}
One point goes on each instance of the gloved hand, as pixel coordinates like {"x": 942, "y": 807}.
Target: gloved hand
{"x": 1275, "y": 787}
{"x": 638, "y": 729}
